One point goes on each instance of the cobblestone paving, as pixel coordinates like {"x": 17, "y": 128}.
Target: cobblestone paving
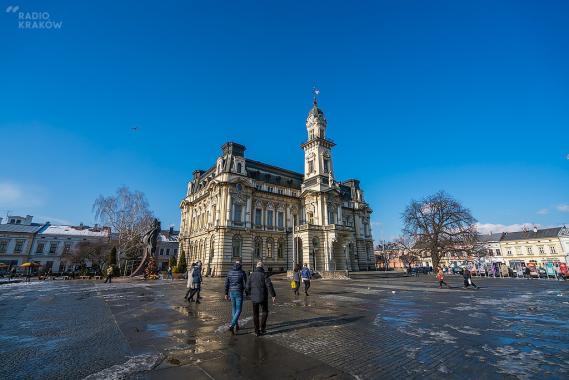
{"x": 365, "y": 328}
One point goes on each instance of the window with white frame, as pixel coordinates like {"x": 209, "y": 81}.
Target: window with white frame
{"x": 270, "y": 218}
{"x": 280, "y": 219}
{"x": 40, "y": 247}
{"x": 52, "y": 247}
{"x": 509, "y": 252}
{"x": 498, "y": 253}
{"x": 19, "y": 246}
{"x": 529, "y": 251}
{"x": 541, "y": 250}
{"x": 552, "y": 249}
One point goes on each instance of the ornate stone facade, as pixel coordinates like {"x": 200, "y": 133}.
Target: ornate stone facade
{"x": 248, "y": 210}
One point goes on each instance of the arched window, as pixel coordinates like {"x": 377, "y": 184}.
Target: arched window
{"x": 239, "y": 167}
{"x": 280, "y": 248}
{"x": 258, "y": 247}
{"x": 270, "y": 244}
{"x": 236, "y": 246}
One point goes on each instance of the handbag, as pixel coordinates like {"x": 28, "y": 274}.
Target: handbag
{"x": 293, "y": 284}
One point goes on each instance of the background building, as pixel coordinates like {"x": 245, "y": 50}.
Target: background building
{"x": 16, "y": 238}
{"x": 248, "y": 210}
{"x": 166, "y": 248}
{"x": 538, "y": 246}
{"x": 53, "y": 247}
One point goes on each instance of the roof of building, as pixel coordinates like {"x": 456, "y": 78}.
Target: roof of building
{"x": 526, "y": 235}
{"x": 273, "y": 174}
{"x": 166, "y": 236}
{"x": 21, "y": 228}
{"x": 485, "y": 238}
{"x": 75, "y": 231}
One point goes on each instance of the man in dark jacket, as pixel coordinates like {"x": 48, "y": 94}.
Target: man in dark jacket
{"x": 234, "y": 288}
{"x": 258, "y": 287}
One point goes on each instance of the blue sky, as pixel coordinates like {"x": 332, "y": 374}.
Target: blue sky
{"x": 468, "y": 97}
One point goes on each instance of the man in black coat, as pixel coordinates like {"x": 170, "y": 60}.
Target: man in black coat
{"x": 258, "y": 287}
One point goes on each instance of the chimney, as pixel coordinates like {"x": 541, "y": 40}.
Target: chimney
{"x": 534, "y": 229}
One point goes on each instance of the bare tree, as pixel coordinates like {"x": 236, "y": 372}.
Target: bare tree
{"x": 439, "y": 224}
{"x": 94, "y": 251}
{"x": 128, "y": 214}
{"x": 407, "y": 253}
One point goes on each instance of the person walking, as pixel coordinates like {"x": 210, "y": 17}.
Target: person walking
{"x": 195, "y": 281}
{"x": 189, "y": 274}
{"x": 441, "y": 278}
{"x": 169, "y": 273}
{"x": 468, "y": 279}
{"x": 109, "y": 274}
{"x": 259, "y": 286}
{"x": 306, "y": 275}
{"x": 235, "y": 283}
{"x": 296, "y": 279}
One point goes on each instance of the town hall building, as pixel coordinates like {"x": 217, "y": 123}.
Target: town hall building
{"x": 248, "y": 210}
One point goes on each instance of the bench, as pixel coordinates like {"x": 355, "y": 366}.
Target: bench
{"x": 98, "y": 277}
{"x": 84, "y": 277}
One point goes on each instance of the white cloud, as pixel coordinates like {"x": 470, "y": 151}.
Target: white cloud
{"x": 563, "y": 208}
{"x": 10, "y": 193}
{"x": 14, "y": 195}
{"x": 543, "y": 211}
{"x": 486, "y": 228}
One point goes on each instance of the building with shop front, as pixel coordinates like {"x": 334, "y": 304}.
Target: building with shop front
{"x": 53, "y": 245}
{"x": 16, "y": 239}
{"x": 538, "y": 246}
{"x": 248, "y": 210}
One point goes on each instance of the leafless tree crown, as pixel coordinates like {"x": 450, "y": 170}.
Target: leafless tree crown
{"x": 439, "y": 224}
{"x": 127, "y": 213}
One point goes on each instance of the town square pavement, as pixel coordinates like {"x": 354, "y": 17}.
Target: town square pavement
{"x": 366, "y": 328}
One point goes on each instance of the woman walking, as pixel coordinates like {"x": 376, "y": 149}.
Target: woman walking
{"x": 468, "y": 279}
{"x": 441, "y": 278}
{"x": 296, "y": 279}
{"x": 196, "y": 282}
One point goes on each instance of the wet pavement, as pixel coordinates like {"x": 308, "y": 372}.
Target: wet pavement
{"x": 366, "y": 328}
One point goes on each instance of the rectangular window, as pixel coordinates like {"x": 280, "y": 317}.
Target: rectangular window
{"x": 280, "y": 219}
{"x": 280, "y": 250}
{"x": 237, "y": 213}
{"x": 269, "y": 249}
{"x": 541, "y": 250}
{"x": 270, "y": 218}
{"x": 490, "y": 252}
{"x": 310, "y": 166}
{"x": 331, "y": 217}
{"x": 552, "y": 250}
{"x": 3, "y": 246}
{"x": 258, "y": 216}
{"x": 325, "y": 166}
{"x": 509, "y": 252}
{"x": 161, "y": 251}
{"x": 19, "y": 246}
{"x": 167, "y": 251}
{"x": 175, "y": 251}
{"x": 529, "y": 251}
{"x": 66, "y": 248}
{"x": 498, "y": 253}
{"x": 52, "y": 247}
{"x": 39, "y": 248}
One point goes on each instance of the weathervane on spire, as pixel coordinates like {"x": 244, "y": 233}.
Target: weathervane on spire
{"x": 315, "y": 93}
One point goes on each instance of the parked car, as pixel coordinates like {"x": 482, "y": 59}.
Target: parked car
{"x": 542, "y": 273}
